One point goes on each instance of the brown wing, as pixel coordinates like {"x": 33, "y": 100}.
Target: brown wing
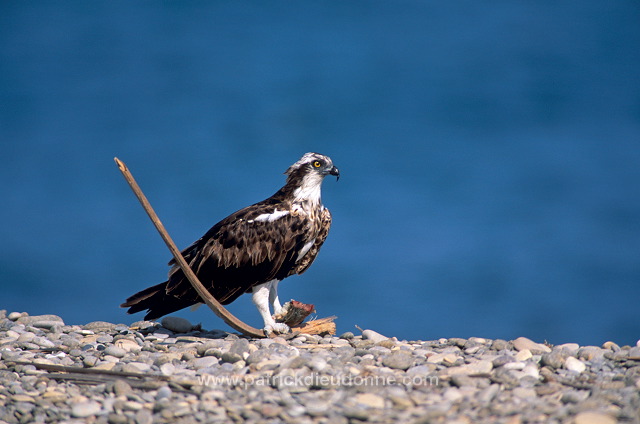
{"x": 240, "y": 252}
{"x": 322, "y": 233}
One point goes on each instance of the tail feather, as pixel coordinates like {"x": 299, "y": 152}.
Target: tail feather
{"x": 156, "y": 301}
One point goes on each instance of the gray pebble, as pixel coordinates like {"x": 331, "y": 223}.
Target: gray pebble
{"x": 49, "y": 325}
{"x": 373, "y": 336}
{"x": 240, "y": 347}
{"x": 30, "y": 320}
{"x": 204, "y": 362}
{"x": 575, "y": 396}
{"x": 486, "y": 395}
{"x": 211, "y": 344}
{"x": 452, "y": 379}
{"x": 164, "y": 392}
{"x": 99, "y": 326}
{"x": 398, "y": 361}
{"x": 89, "y": 361}
{"x": 230, "y": 357}
{"x": 13, "y": 316}
{"x": 144, "y": 416}
{"x": 502, "y": 360}
{"x": 554, "y": 359}
{"x": 176, "y": 324}
{"x": 114, "y": 350}
{"x": 85, "y": 409}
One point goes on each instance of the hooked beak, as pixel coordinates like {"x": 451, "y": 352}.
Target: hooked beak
{"x": 334, "y": 171}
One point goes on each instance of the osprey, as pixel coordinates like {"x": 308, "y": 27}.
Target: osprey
{"x": 253, "y": 249}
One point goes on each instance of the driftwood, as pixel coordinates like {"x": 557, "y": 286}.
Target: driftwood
{"x": 322, "y": 326}
{"x": 211, "y": 302}
{"x": 79, "y": 375}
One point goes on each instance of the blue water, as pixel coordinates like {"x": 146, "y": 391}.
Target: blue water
{"x": 490, "y": 156}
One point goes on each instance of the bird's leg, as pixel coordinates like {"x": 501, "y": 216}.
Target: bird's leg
{"x": 260, "y": 297}
{"x": 273, "y": 297}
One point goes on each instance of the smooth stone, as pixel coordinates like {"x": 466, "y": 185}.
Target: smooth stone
{"x": 99, "y": 326}
{"x": 13, "y": 316}
{"x": 398, "y": 361}
{"x": 229, "y": 357}
{"x": 373, "y": 336}
{"x": 399, "y": 397}
{"x": 522, "y": 343}
{"x": 144, "y": 416}
{"x": 164, "y": 392}
{"x": 421, "y": 370}
{"x": 48, "y": 324}
{"x": 554, "y": 359}
{"x": 487, "y": 394}
{"x": 115, "y": 351}
{"x": 85, "y": 409}
{"x": 574, "y": 396}
{"x": 347, "y": 335}
{"x": 107, "y": 366}
{"x": 204, "y": 362}
{"x": 240, "y": 347}
{"x": 499, "y": 344}
{"x": 571, "y": 348}
{"x": 90, "y": 361}
{"x": 121, "y": 388}
{"x": 593, "y": 418}
{"x": 449, "y": 358}
{"x": 167, "y": 368}
{"x": 523, "y": 355}
{"x": 114, "y": 418}
{"x": 210, "y": 345}
{"x": 176, "y": 324}
{"x": 514, "y": 366}
{"x": 524, "y": 392}
{"x": 591, "y": 352}
{"x": 30, "y": 320}
{"x": 462, "y": 380}
{"x": 22, "y": 398}
{"x": 479, "y": 367}
{"x": 634, "y": 352}
{"x": 452, "y": 394}
{"x": 138, "y": 366}
{"x": 531, "y": 370}
{"x": 573, "y": 364}
{"x": 370, "y": 400}
{"x": 359, "y": 414}
{"x": 257, "y": 357}
{"x": 131, "y": 405}
{"x": 128, "y": 345}
{"x": 502, "y": 360}
{"x": 43, "y": 342}
{"x": 317, "y": 364}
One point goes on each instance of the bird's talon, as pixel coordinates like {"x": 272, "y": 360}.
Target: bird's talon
{"x": 278, "y": 328}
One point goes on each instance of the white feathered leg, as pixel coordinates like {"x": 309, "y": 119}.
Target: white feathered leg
{"x": 260, "y": 297}
{"x": 273, "y": 297}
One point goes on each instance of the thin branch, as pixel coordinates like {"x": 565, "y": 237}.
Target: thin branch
{"x": 211, "y": 302}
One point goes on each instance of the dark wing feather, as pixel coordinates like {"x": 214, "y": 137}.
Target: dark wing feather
{"x": 239, "y": 253}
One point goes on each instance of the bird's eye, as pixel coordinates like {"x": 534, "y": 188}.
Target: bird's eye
{"x": 317, "y": 164}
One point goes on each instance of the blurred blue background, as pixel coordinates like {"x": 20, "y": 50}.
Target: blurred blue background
{"x": 490, "y": 156}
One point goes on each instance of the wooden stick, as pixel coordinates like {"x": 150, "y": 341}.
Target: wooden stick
{"x": 211, "y": 302}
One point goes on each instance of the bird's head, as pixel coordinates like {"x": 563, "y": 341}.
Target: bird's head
{"x": 313, "y": 165}
{"x": 306, "y": 175}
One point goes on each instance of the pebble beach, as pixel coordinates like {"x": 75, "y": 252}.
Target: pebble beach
{"x": 174, "y": 372}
